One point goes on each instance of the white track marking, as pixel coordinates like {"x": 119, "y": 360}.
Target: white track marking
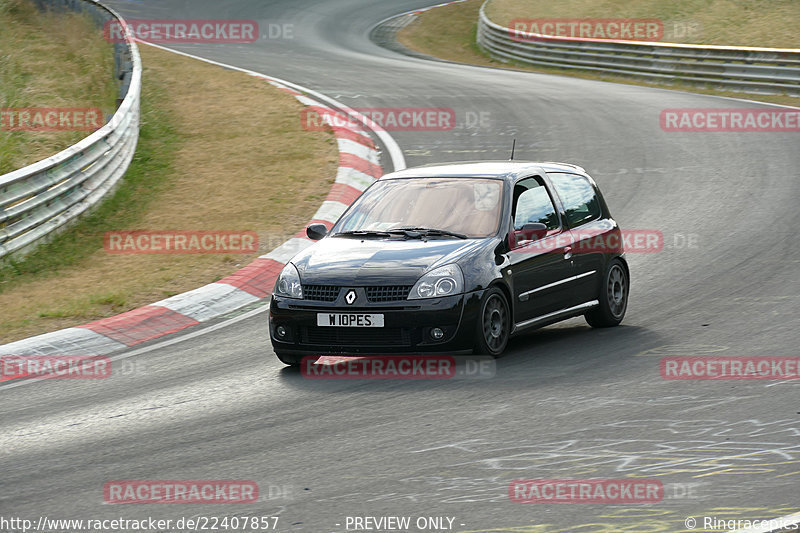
{"x": 396, "y": 154}
{"x": 158, "y": 345}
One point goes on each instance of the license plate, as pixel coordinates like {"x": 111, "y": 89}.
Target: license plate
{"x": 350, "y": 320}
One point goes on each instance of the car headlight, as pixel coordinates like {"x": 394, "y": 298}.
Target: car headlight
{"x": 443, "y": 281}
{"x": 288, "y": 283}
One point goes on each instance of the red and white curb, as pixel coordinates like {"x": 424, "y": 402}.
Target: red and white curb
{"x": 359, "y": 167}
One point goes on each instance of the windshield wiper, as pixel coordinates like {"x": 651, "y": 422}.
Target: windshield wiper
{"x": 363, "y": 233}
{"x": 429, "y": 231}
{"x": 411, "y": 233}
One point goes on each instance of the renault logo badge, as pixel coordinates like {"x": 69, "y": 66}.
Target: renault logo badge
{"x": 350, "y": 297}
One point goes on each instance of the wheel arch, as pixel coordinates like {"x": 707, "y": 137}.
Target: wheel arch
{"x": 503, "y": 286}
{"x": 624, "y": 262}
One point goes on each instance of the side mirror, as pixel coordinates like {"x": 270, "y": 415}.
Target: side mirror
{"x": 316, "y": 231}
{"x": 532, "y": 231}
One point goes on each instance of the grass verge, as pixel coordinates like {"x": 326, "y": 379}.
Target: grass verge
{"x": 50, "y": 60}
{"x": 770, "y": 24}
{"x": 448, "y": 32}
{"x": 218, "y": 150}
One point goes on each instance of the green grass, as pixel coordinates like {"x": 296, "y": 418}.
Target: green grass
{"x": 449, "y": 32}
{"x": 50, "y": 60}
{"x": 143, "y": 181}
{"x": 198, "y": 166}
{"x": 761, "y": 23}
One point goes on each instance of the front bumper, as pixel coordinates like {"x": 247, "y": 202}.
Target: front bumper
{"x": 407, "y": 327}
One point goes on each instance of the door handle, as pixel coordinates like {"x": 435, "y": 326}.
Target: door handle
{"x": 567, "y": 252}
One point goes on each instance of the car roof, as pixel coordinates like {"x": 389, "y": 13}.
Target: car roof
{"x": 507, "y": 170}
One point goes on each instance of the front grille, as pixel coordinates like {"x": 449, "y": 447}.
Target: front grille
{"x": 320, "y": 293}
{"x": 375, "y": 294}
{"x": 346, "y": 337}
{"x": 388, "y": 293}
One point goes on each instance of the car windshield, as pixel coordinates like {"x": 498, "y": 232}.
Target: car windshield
{"x": 465, "y": 207}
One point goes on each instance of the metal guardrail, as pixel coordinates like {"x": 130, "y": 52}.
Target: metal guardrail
{"x": 755, "y": 70}
{"x": 38, "y": 200}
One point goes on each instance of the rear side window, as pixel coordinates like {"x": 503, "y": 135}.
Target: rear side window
{"x": 578, "y": 196}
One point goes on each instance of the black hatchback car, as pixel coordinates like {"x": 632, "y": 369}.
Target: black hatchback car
{"x": 453, "y": 258}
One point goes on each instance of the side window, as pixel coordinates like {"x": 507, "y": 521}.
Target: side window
{"x": 578, "y": 196}
{"x": 533, "y": 204}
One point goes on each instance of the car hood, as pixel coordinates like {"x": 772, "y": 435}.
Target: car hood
{"x": 352, "y": 261}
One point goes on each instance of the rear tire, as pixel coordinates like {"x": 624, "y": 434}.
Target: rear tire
{"x": 613, "y": 297}
{"x": 494, "y": 324}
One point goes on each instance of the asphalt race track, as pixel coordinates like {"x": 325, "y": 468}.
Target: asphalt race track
{"x": 566, "y": 401}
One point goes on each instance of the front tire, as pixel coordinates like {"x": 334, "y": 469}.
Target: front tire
{"x": 613, "y": 297}
{"x": 494, "y": 324}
